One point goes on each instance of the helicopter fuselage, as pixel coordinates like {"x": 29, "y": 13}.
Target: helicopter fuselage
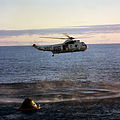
{"x": 67, "y": 46}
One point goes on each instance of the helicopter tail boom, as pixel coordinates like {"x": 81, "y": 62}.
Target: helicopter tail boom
{"x": 35, "y": 46}
{"x": 43, "y": 48}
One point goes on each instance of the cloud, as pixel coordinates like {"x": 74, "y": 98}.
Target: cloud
{"x": 115, "y": 28}
{"x": 96, "y": 34}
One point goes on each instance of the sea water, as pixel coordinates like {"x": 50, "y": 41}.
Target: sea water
{"x": 67, "y": 86}
{"x": 100, "y": 63}
{"x": 27, "y": 72}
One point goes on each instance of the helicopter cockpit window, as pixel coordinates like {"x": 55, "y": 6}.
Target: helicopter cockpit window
{"x": 83, "y": 43}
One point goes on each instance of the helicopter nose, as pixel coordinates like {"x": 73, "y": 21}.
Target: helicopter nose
{"x": 86, "y": 47}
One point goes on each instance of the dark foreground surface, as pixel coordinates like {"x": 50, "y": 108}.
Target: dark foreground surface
{"x": 63, "y": 100}
{"x": 74, "y": 110}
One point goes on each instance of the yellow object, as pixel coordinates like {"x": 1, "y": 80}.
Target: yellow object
{"x": 28, "y": 104}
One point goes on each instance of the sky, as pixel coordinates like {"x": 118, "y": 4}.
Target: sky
{"x": 48, "y": 14}
{"x": 36, "y": 14}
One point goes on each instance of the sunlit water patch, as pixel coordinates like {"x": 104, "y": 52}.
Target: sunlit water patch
{"x": 57, "y": 91}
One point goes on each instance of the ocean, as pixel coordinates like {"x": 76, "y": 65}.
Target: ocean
{"x": 80, "y": 85}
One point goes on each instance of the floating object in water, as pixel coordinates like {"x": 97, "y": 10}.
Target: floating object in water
{"x": 28, "y": 105}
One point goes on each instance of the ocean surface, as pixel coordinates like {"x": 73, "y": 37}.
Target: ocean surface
{"x": 81, "y": 76}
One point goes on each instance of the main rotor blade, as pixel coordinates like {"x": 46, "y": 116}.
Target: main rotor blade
{"x": 84, "y": 36}
{"x": 68, "y": 36}
{"x": 53, "y": 37}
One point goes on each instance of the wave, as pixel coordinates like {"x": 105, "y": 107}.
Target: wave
{"x": 57, "y": 91}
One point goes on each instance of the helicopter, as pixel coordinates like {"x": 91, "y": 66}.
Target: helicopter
{"x": 69, "y": 45}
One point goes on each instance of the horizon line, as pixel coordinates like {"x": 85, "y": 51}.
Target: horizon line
{"x": 54, "y": 44}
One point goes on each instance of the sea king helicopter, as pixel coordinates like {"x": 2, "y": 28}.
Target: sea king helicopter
{"x": 70, "y": 45}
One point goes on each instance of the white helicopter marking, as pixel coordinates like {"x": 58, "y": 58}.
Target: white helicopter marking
{"x": 69, "y": 45}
